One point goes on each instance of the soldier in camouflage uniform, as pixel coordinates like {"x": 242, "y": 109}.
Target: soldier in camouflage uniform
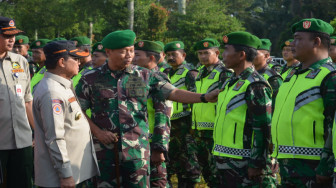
{"x": 21, "y": 46}
{"x": 243, "y": 116}
{"x": 182, "y": 153}
{"x": 305, "y": 108}
{"x": 117, "y": 94}
{"x": 162, "y": 62}
{"x": 147, "y": 54}
{"x": 287, "y": 55}
{"x": 211, "y": 74}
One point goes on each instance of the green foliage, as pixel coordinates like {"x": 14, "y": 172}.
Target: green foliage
{"x": 333, "y": 23}
{"x": 158, "y": 17}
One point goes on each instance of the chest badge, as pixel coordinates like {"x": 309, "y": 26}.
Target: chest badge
{"x": 313, "y": 74}
{"x": 238, "y": 85}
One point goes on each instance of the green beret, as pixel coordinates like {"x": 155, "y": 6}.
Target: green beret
{"x": 98, "y": 47}
{"x": 21, "y": 39}
{"x": 242, "y": 38}
{"x": 81, "y": 41}
{"x": 265, "y": 45}
{"x": 40, "y": 43}
{"x": 59, "y": 38}
{"x": 206, "y": 44}
{"x": 146, "y": 45}
{"x": 119, "y": 39}
{"x": 333, "y": 40}
{"x": 173, "y": 46}
{"x": 161, "y": 44}
{"x": 286, "y": 43}
{"x": 312, "y": 25}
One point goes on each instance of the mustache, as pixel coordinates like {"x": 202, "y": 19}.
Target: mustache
{"x": 171, "y": 61}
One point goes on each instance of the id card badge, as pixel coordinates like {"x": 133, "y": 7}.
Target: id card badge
{"x": 18, "y": 89}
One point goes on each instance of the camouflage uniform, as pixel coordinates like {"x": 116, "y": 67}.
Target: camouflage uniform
{"x": 163, "y": 66}
{"x": 286, "y": 69}
{"x": 258, "y": 118}
{"x": 182, "y": 147}
{"x": 302, "y": 172}
{"x": 118, "y": 101}
{"x": 204, "y": 138}
{"x": 159, "y": 140}
{"x": 275, "y": 66}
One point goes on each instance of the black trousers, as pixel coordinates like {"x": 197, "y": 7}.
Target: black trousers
{"x": 16, "y": 168}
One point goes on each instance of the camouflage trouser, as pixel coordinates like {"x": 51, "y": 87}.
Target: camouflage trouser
{"x": 207, "y": 162}
{"x": 299, "y": 173}
{"x": 133, "y": 173}
{"x": 182, "y": 152}
{"x": 233, "y": 173}
{"x": 158, "y": 176}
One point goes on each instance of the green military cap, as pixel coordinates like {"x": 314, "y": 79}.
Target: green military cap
{"x": 173, "y": 46}
{"x": 81, "y": 41}
{"x": 206, "y": 44}
{"x": 21, "y": 39}
{"x": 119, "y": 39}
{"x": 242, "y": 38}
{"x": 161, "y": 44}
{"x": 312, "y": 25}
{"x": 98, "y": 47}
{"x": 59, "y": 38}
{"x": 333, "y": 40}
{"x": 40, "y": 43}
{"x": 286, "y": 43}
{"x": 146, "y": 45}
{"x": 265, "y": 45}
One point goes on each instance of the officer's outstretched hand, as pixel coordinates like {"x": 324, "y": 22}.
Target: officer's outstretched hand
{"x": 212, "y": 96}
{"x": 106, "y": 137}
{"x": 68, "y": 182}
{"x": 255, "y": 174}
{"x": 157, "y": 157}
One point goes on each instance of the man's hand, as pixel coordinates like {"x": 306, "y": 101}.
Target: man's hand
{"x": 323, "y": 179}
{"x": 157, "y": 157}
{"x": 68, "y": 182}
{"x": 212, "y": 96}
{"x": 255, "y": 174}
{"x": 106, "y": 137}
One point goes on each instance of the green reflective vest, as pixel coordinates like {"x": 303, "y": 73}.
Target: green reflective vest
{"x": 37, "y": 78}
{"x": 230, "y": 121}
{"x": 178, "y": 80}
{"x": 297, "y": 123}
{"x": 77, "y": 77}
{"x": 203, "y": 114}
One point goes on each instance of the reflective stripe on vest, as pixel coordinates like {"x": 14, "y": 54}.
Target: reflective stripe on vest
{"x": 178, "y": 80}
{"x": 230, "y": 121}
{"x": 37, "y": 78}
{"x": 203, "y": 114}
{"x": 299, "y": 112}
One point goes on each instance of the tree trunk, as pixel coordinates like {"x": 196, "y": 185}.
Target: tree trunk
{"x": 36, "y": 34}
{"x": 131, "y": 14}
{"x": 182, "y": 6}
{"x": 90, "y": 32}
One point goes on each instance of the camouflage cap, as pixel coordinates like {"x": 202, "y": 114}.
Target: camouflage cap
{"x": 265, "y": 45}
{"x": 59, "y": 38}
{"x": 119, "y": 39}
{"x": 242, "y": 38}
{"x": 98, "y": 47}
{"x": 40, "y": 43}
{"x": 7, "y": 26}
{"x": 81, "y": 41}
{"x": 21, "y": 39}
{"x": 146, "y": 45}
{"x": 312, "y": 25}
{"x": 286, "y": 43}
{"x": 173, "y": 46}
{"x": 206, "y": 44}
{"x": 333, "y": 40}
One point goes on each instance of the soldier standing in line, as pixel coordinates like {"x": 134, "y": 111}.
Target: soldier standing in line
{"x": 99, "y": 56}
{"x": 162, "y": 62}
{"x": 212, "y": 74}
{"x": 287, "y": 55}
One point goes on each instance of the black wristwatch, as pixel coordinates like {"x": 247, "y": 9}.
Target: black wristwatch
{"x": 203, "y": 98}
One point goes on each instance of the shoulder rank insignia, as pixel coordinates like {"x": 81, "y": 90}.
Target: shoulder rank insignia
{"x": 313, "y": 73}
{"x": 238, "y": 85}
{"x": 212, "y": 75}
{"x": 289, "y": 76}
{"x": 180, "y": 72}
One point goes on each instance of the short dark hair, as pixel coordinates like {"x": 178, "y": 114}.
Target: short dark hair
{"x": 250, "y": 52}
{"x": 51, "y": 62}
{"x": 155, "y": 54}
{"x": 325, "y": 38}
